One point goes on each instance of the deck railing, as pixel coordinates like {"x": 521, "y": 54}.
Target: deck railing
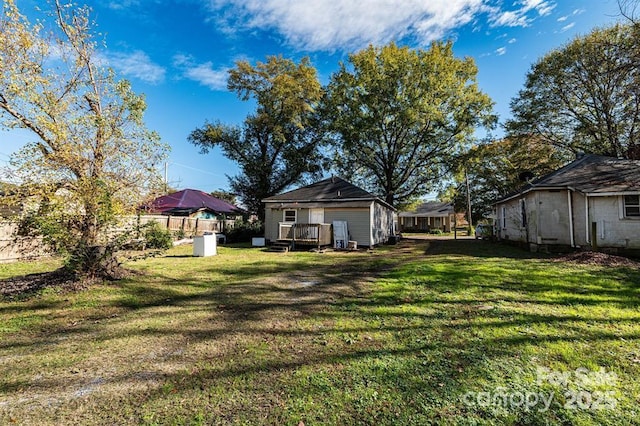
{"x": 316, "y": 234}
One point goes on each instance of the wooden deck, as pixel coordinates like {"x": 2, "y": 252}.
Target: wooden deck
{"x": 305, "y": 234}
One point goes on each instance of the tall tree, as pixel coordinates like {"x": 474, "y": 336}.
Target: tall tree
{"x": 401, "y": 115}
{"x": 277, "y": 146}
{"x": 630, "y": 9}
{"x": 92, "y": 157}
{"x": 585, "y": 96}
{"x": 497, "y": 168}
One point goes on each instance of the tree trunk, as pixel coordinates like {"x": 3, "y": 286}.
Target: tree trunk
{"x": 92, "y": 258}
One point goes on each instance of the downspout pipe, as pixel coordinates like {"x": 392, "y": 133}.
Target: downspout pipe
{"x": 586, "y": 218}
{"x": 571, "y": 233}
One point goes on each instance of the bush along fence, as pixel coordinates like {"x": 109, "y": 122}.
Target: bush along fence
{"x": 14, "y": 247}
{"x": 183, "y": 226}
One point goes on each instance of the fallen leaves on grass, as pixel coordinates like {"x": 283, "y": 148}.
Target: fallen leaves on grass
{"x": 598, "y": 259}
{"x": 25, "y": 285}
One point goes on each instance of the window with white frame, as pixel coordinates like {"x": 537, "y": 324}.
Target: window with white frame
{"x": 632, "y": 206}
{"x": 289, "y": 216}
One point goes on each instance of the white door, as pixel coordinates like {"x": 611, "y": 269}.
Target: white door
{"x": 315, "y": 216}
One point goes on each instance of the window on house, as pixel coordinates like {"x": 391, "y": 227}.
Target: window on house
{"x": 632, "y": 205}
{"x": 289, "y": 216}
{"x": 523, "y": 213}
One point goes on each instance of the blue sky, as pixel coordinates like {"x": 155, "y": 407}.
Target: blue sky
{"x": 177, "y": 52}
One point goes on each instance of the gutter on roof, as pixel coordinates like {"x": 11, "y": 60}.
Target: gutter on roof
{"x": 266, "y": 200}
{"x": 331, "y": 200}
{"x": 611, "y": 194}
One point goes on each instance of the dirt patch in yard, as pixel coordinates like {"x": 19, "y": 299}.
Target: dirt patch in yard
{"x": 598, "y": 259}
{"x": 22, "y": 286}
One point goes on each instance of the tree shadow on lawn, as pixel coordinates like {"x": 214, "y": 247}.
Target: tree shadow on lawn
{"x": 258, "y": 339}
{"x": 481, "y": 249}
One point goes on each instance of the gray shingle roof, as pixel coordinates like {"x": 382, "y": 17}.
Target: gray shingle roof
{"x": 430, "y": 209}
{"x": 591, "y": 174}
{"x": 333, "y": 189}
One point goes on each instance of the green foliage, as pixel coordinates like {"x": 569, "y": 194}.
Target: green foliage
{"x": 227, "y": 196}
{"x": 400, "y": 115}
{"x": 497, "y": 168}
{"x": 278, "y": 145}
{"x": 243, "y": 231}
{"x": 92, "y": 158}
{"x": 585, "y": 96}
{"x": 157, "y": 237}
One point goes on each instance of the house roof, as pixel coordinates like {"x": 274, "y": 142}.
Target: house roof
{"x": 430, "y": 209}
{"x": 594, "y": 175}
{"x": 189, "y": 200}
{"x": 331, "y": 190}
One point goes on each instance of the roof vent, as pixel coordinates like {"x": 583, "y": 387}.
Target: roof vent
{"x": 339, "y": 194}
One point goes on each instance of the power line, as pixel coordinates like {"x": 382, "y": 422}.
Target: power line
{"x": 196, "y": 169}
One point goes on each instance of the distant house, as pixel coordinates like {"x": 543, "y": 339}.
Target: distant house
{"x": 193, "y": 203}
{"x": 429, "y": 216}
{"x": 370, "y": 220}
{"x": 592, "y": 201}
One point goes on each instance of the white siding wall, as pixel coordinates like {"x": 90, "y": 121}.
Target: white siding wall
{"x": 358, "y": 223}
{"x": 382, "y": 224}
{"x": 509, "y": 226}
{"x": 548, "y": 220}
{"x": 613, "y": 230}
{"x": 580, "y": 232}
{"x": 271, "y": 219}
{"x": 273, "y": 216}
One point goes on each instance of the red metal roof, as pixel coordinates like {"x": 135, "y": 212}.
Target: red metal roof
{"x": 193, "y": 200}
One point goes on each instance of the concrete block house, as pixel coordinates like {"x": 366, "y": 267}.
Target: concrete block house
{"x": 592, "y": 202}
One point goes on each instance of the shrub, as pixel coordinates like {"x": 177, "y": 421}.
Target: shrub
{"x": 243, "y": 231}
{"x": 157, "y": 237}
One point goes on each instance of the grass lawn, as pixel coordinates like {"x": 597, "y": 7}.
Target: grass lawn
{"x": 447, "y": 332}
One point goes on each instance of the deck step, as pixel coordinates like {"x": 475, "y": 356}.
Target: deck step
{"x": 280, "y": 246}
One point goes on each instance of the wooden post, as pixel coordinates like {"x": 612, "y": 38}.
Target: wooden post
{"x": 455, "y": 224}
{"x": 594, "y": 236}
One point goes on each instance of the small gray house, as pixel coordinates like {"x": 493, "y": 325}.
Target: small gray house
{"x": 429, "y": 216}
{"x": 593, "y": 201}
{"x": 311, "y": 210}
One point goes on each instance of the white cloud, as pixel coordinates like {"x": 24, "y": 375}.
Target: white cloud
{"x": 122, "y": 4}
{"x": 563, "y": 18}
{"x": 521, "y": 17}
{"x": 332, "y": 24}
{"x": 567, "y": 27}
{"x": 501, "y": 51}
{"x": 205, "y": 73}
{"x": 511, "y": 41}
{"x": 137, "y": 65}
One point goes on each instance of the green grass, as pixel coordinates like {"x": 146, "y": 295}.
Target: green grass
{"x": 398, "y": 336}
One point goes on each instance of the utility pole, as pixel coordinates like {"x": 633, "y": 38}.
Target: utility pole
{"x": 166, "y": 177}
